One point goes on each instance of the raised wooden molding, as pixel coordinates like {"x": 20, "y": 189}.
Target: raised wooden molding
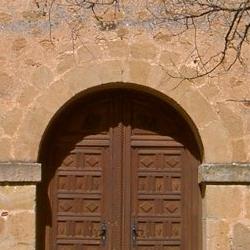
{"x": 20, "y": 172}
{"x": 235, "y": 173}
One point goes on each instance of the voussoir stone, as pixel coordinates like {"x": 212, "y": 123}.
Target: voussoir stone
{"x": 111, "y": 71}
{"x": 217, "y": 144}
{"x": 232, "y": 121}
{"x": 143, "y": 51}
{"x": 41, "y": 77}
{"x": 82, "y": 77}
{"x": 11, "y": 121}
{"x": 66, "y": 62}
{"x": 118, "y": 48}
{"x": 6, "y": 84}
{"x": 138, "y": 72}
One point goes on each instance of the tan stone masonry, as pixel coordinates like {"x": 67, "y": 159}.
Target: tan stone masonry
{"x": 39, "y": 77}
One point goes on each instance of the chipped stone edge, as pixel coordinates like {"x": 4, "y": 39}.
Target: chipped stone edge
{"x": 20, "y": 172}
{"x": 235, "y": 173}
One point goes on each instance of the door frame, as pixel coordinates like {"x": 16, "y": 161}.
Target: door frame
{"x": 44, "y": 160}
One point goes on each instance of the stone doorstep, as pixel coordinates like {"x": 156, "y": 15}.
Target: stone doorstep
{"x": 235, "y": 173}
{"x": 20, "y": 172}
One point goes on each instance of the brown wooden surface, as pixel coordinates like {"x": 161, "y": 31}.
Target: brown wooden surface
{"x": 125, "y": 160}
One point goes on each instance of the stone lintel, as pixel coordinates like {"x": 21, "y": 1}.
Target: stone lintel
{"x": 20, "y": 172}
{"x": 235, "y": 173}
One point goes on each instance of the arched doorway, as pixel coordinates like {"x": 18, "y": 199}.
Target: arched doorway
{"x": 120, "y": 173}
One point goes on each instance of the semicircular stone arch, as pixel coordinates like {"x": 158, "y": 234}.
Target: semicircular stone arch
{"x": 134, "y": 74}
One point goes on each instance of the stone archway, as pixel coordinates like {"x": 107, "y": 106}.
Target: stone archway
{"x": 134, "y": 75}
{"x": 119, "y": 172}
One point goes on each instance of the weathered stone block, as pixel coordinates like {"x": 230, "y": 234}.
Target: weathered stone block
{"x": 20, "y": 172}
{"x": 21, "y": 226}
{"x": 19, "y": 44}
{"x": 199, "y": 105}
{"x": 239, "y": 150}
{"x": 224, "y": 173}
{"x": 41, "y": 77}
{"x": 232, "y": 120}
{"x": 5, "y": 148}
{"x": 17, "y": 197}
{"x": 89, "y": 53}
{"x": 11, "y": 121}
{"x": 224, "y": 202}
{"x": 143, "y": 51}
{"x": 241, "y": 237}
{"x": 217, "y": 235}
{"x": 118, "y": 48}
{"x": 216, "y": 142}
{"x": 66, "y": 62}
{"x": 27, "y": 96}
{"x": 7, "y": 84}
{"x": 138, "y": 72}
{"x": 247, "y": 203}
{"x": 82, "y": 77}
{"x": 111, "y": 71}
{"x": 169, "y": 58}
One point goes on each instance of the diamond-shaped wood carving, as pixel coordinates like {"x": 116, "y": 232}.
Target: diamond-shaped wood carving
{"x": 146, "y": 207}
{"x": 92, "y": 161}
{"x": 92, "y": 207}
{"x": 65, "y": 206}
{"x": 68, "y": 160}
{"x": 172, "y": 162}
{"x": 171, "y": 207}
{"x": 147, "y": 161}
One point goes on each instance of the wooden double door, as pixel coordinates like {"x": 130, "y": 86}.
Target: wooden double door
{"x": 121, "y": 177}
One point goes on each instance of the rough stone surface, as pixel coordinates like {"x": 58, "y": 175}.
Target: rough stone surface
{"x": 17, "y": 197}
{"x": 20, "y": 172}
{"x": 247, "y": 203}
{"x": 43, "y": 68}
{"x": 67, "y": 62}
{"x": 233, "y": 122}
{"x": 143, "y": 51}
{"x": 81, "y": 78}
{"x": 5, "y": 148}
{"x": 118, "y": 49}
{"x": 224, "y": 173}
{"x": 138, "y": 71}
{"x": 6, "y": 85}
{"x": 224, "y": 202}
{"x": 11, "y": 121}
{"x": 217, "y": 235}
{"x": 41, "y": 77}
{"x": 217, "y": 143}
{"x": 17, "y": 217}
{"x": 241, "y": 236}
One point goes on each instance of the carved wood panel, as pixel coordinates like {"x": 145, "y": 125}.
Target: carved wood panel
{"x": 79, "y": 197}
{"x": 121, "y": 161}
{"x": 157, "y": 199}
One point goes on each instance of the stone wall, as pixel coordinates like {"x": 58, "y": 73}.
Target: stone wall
{"x": 42, "y": 69}
{"x": 17, "y": 217}
{"x": 227, "y": 220}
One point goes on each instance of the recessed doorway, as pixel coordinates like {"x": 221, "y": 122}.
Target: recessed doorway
{"x": 119, "y": 173}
